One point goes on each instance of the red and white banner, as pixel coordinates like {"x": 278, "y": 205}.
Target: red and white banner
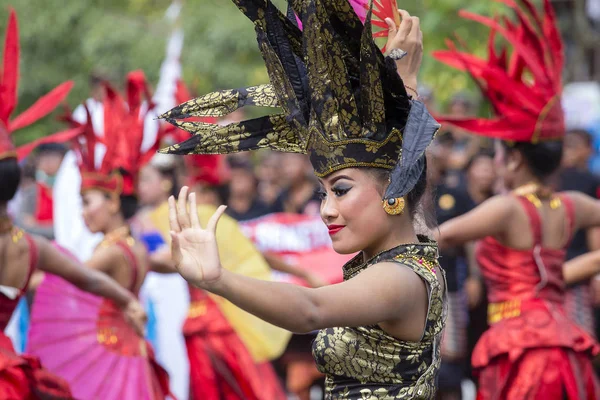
{"x": 301, "y": 240}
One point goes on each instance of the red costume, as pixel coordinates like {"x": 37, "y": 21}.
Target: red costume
{"x": 532, "y": 349}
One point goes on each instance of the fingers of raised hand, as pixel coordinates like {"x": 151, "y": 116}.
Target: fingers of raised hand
{"x": 194, "y": 212}
{"x": 182, "y": 213}
{"x": 416, "y": 26}
{"x": 173, "y": 215}
{"x": 212, "y": 222}
{"x": 406, "y": 25}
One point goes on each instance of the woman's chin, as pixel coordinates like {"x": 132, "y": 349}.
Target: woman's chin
{"x": 342, "y": 248}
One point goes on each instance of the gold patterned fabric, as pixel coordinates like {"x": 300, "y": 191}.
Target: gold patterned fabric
{"x": 341, "y": 101}
{"x": 366, "y": 362}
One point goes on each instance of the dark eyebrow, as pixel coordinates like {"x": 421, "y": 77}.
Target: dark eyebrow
{"x": 337, "y": 178}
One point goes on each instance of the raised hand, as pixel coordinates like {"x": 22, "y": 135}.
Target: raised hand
{"x": 193, "y": 249}
{"x": 409, "y": 38}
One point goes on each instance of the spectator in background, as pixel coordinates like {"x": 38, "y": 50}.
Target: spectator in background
{"x": 269, "y": 177}
{"x": 35, "y": 213}
{"x": 300, "y": 194}
{"x": 575, "y": 175}
{"x": 465, "y": 145}
{"x": 243, "y": 202}
{"x": 465, "y": 289}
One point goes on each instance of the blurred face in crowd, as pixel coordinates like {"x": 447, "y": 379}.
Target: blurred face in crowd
{"x": 49, "y": 162}
{"x": 153, "y": 187}
{"x": 481, "y": 173}
{"x": 269, "y": 169}
{"x": 577, "y": 150}
{"x": 351, "y": 209}
{"x": 242, "y": 182}
{"x": 99, "y": 210}
{"x": 295, "y": 167}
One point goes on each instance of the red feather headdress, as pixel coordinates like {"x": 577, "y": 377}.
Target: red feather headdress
{"x": 123, "y": 135}
{"x": 524, "y": 87}
{"x": 209, "y": 169}
{"x": 8, "y": 100}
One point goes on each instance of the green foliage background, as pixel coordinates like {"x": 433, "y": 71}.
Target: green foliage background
{"x": 69, "y": 39}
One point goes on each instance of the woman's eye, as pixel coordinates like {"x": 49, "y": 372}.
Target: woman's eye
{"x": 340, "y": 191}
{"x": 321, "y": 194}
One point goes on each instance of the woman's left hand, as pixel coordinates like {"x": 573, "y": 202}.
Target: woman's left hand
{"x": 193, "y": 249}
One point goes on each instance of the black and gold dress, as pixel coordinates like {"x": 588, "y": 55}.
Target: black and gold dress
{"x": 366, "y": 362}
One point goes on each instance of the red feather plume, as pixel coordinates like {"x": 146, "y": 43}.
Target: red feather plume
{"x": 8, "y": 99}
{"x": 123, "y": 135}
{"x": 523, "y": 88}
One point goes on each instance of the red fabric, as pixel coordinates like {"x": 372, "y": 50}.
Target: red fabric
{"x": 8, "y": 94}
{"x": 540, "y": 374}
{"x": 22, "y": 377}
{"x": 540, "y": 333}
{"x": 524, "y": 87}
{"x": 221, "y": 368}
{"x": 44, "y": 205}
{"x": 209, "y": 169}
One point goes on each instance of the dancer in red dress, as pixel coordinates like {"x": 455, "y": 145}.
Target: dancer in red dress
{"x": 21, "y": 376}
{"x": 532, "y": 349}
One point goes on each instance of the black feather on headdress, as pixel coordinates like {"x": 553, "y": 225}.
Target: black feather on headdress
{"x": 341, "y": 101}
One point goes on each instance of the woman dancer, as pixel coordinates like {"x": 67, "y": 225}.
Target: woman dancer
{"x": 109, "y": 201}
{"x": 22, "y": 377}
{"x": 345, "y": 104}
{"x": 532, "y": 349}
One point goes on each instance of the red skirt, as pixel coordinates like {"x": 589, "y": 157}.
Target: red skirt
{"x": 221, "y": 367}
{"x": 534, "y": 351}
{"x": 540, "y": 374}
{"x": 23, "y": 378}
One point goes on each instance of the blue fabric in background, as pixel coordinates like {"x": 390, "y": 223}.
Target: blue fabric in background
{"x": 153, "y": 241}
{"x": 22, "y": 323}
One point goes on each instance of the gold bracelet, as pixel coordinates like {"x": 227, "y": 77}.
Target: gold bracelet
{"x": 412, "y": 90}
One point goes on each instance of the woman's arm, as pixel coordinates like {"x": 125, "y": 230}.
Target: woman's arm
{"x": 350, "y": 303}
{"x": 488, "y": 219}
{"x": 587, "y": 210}
{"x": 364, "y": 300}
{"x": 582, "y": 268}
{"x": 86, "y": 279}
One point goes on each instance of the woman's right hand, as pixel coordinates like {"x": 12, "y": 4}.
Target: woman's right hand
{"x": 193, "y": 249}
{"x": 408, "y": 37}
{"x": 136, "y": 316}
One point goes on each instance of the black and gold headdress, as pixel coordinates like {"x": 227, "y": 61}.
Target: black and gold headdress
{"x": 341, "y": 101}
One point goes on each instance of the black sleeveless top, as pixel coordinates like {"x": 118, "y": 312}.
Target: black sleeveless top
{"x": 366, "y": 362}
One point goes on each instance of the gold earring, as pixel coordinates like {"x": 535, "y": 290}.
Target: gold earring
{"x": 394, "y": 206}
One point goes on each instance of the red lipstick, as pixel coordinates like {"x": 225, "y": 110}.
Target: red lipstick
{"x": 333, "y": 229}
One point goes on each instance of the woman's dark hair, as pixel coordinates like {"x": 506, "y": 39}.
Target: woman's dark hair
{"x": 543, "y": 159}
{"x": 129, "y": 206}
{"x": 169, "y": 173}
{"x": 488, "y": 153}
{"x": 420, "y": 194}
{"x": 10, "y": 176}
